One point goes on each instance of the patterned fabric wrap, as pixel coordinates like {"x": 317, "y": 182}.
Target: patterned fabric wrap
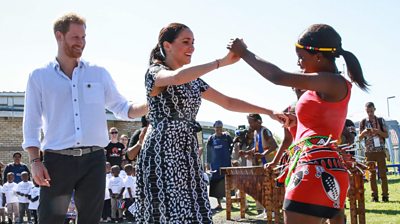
{"x": 316, "y": 168}
{"x": 170, "y": 184}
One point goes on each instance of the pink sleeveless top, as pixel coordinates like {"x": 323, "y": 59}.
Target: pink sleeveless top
{"x": 316, "y": 117}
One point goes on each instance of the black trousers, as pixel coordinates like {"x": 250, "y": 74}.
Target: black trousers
{"x": 86, "y": 175}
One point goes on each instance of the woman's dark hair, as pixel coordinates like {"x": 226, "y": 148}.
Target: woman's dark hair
{"x": 324, "y": 36}
{"x": 169, "y": 34}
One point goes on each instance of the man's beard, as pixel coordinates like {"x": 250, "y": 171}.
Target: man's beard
{"x": 70, "y": 52}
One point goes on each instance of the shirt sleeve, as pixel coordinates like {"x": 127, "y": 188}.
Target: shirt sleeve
{"x": 114, "y": 101}
{"x": 32, "y": 121}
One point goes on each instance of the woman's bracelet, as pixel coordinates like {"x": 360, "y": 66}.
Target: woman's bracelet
{"x": 35, "y": 160}
{"x": 217, "y": 63}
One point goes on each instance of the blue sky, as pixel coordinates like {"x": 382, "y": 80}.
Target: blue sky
{"x": 120, "y": 35}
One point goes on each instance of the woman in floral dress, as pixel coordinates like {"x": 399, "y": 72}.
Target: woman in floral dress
{"x": 170, "y": 183}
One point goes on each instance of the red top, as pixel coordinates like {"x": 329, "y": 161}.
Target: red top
{"x": 316, "y": 117}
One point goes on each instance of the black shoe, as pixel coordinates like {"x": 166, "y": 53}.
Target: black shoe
{"x": 375, "y": 199}
{"x": 385, "y": 199}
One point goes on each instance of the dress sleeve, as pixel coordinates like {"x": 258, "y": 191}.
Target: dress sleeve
{"x": 203, "y": 85}
{"x": 150, "y": 77}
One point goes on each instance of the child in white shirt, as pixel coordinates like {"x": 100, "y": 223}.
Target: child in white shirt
{"x": 130, "y": 189}
{"x": 106, "y": 215}
{"x": 11, "y": 198}
{"x": 34, "y": 195}
{"x": 2, "y": 204}
{"x": 22, "y": 190}
{"x": 116, "y": 188}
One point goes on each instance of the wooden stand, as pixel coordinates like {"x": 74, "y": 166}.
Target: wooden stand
{"x": 258, "y": 183}
{"x": 356, "y": 192}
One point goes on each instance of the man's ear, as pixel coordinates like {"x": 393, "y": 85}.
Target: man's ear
{"x": 59, "y": 36}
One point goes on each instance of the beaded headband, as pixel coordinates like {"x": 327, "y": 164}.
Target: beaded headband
{"x": 331, "y": 49}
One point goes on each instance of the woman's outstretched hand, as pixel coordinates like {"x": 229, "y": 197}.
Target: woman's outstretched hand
{"x": 281, "y": 118}
{"x": 237, "y": 46}
{"x": 229, "y": 59}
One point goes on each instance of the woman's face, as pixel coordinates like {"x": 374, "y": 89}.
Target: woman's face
{"x": 306, "y": 61}
{"x": 181, "y": 49}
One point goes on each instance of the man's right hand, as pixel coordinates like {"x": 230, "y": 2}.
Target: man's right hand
{"x": 38, "y": 170}
{"x": 40, "y": 174}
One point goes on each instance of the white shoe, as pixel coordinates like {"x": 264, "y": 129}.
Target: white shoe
{"x": 262, "y": 215}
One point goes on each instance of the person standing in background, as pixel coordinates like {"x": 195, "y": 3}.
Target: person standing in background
{"x": 16, "y": 167}
{"x": 373, "y": 131}
{"x": 114, "y": 149}
{"x": 219, "y": 151}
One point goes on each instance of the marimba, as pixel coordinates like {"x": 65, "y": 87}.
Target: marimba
{"x": 356, "y": 191}
{"x": 258, "y": 183}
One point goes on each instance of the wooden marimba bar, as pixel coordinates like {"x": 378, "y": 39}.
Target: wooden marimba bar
{"x": 258, "y": 183}
{"x": 356, "y": 192}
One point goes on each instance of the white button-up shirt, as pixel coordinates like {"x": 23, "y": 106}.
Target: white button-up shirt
{"x": 71, "y": 112}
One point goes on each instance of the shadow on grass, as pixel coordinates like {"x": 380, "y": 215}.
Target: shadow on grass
{"x": 381, "y": 211}
{"x": 394, "y": 181}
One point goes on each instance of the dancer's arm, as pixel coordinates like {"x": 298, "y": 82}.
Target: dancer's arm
{"x": 333, "y": 86}
{"x": 238, "y": 105}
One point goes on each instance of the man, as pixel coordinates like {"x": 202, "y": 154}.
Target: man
{"x": 67, "y": 100}
{"x": 264, "y": 148}
{"x": 114, "y": 149}
{"x": 348, "y": 134}
{"x": 219, "y": 150}
{"x": 373, "y": 131}
{"x": 264, "y": 143}
{"x": 16, "y": 167}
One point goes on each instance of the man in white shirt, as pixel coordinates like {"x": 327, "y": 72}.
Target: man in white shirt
{"x": 66, "y": 99}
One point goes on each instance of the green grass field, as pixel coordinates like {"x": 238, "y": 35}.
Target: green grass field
{"x": 376, "y": 212}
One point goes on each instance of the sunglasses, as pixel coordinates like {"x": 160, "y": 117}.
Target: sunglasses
{"x": 114, "y": 132}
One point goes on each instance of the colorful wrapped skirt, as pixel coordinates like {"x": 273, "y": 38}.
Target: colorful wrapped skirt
{"x": 317, "y": 180}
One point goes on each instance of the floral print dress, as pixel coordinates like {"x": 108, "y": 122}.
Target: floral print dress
{"x": 170, "y": 183}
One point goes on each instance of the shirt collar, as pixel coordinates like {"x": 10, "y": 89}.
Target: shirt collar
{"x": 56, "y": 65}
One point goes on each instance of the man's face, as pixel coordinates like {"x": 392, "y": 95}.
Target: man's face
{"x": 218, "y": 130}
{"x": 254, "y": 124}
{"x": 73, "y": 42}
{"x": 370, "y": 111}
{"x": 17, "y": 159}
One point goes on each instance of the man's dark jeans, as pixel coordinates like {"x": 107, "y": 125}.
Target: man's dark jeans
{"x": 86, "y": 175}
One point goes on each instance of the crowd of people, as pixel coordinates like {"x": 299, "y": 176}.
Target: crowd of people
{"x": 167, "y": 184}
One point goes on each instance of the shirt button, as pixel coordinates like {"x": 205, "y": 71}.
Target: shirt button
{"x": 77, "y": 128}
{"x": 73, "y": 85}
{"x": 74, "y": 100}
{"x": 78, "y": 143}
{"x": 76, "y": 114}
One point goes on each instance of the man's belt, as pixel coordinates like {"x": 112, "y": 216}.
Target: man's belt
{"x": 76, "y": 151}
